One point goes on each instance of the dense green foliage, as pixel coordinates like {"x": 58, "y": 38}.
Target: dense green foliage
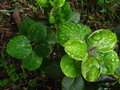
{"x": 85, "y": 55}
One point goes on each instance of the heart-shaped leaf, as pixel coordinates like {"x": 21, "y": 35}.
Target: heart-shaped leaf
{"x": 70, "y": 67}
{"x": 72, "y": 83}
{"x": 19, "y": 47}
{"x": 37, "y": 32}
{"x": 72, "y": 30}
{"x": 104, "y": 40}
{"x": 109, "y": 62}
{"x": 90, "y": 69}
{"x": 76, "y": 49}
{"x": 32, "y": 62}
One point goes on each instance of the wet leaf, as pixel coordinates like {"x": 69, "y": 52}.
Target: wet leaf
{"x": 70, "y": 30}
{"x": 19, "y": 47}
{"x": 70, "y": 67}
{"x": 104, "y": 40}
{"x": 109, "y": 62}
{"x": 32, "y": 62}
{"x": 90, "y": 69}
{"x": 76, "y": 49}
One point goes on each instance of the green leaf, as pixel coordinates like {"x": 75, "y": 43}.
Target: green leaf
{"x": 42, "y": 3}
{"x": 72, "y": 83}
{"x": 76, "y": 49}
{"x": 70, "y": 67}
{"x": 57, "y": 3}
{"x": 104, "y": 40}
{"x": 70, "y": 30}
{"x": 109, "y": 62}
{"x": 51, "y": 37}
{"x": 52, "y": 19}
{"x": 37, "y": 32}
{"x": 32, "y": 62}
{"x": 42, "y": 49}
{"x": 25, "y": 25}
{"x": 90, "y": 69}
{"x": 67, "y": 11}
{"x": 75, "y": 17}
{"x": 19, "y": 47}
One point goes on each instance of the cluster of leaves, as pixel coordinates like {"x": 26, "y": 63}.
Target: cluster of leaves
{"x": 59, "y": 10}
{"x": 31, "y": 45}
{"x": 95, "y": 50}
{"x": 87, "y": 53}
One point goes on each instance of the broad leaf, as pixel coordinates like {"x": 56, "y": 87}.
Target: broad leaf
{"x": 90, "y": 69}
{"x": 104, "y": 40}
{"x": 32, "y": 62}
{"x": 37, "y": 32}
{"x": 19, "y": 47}
{"x": 72, "y": 83}
{"x": 76, "y": 49}
{"x": 109, "y": 62}
{"x": 70, "y": 67}
{"x": 25, "y": 25}
{"x": 70, "y": 30}
{"x": 42, "y": 49}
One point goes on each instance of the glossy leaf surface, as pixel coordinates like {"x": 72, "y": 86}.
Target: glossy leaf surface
{"x": 104, "y": 40}
{"x": 90, "y": 69}
{"x": 19, "y": 47}
{"x": 109, "y": 62}
{"x": 70, "y": 67}
{"x": 70, "y": 30}
{"x": 76, "y": 49}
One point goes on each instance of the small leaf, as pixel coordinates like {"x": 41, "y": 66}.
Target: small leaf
{"x": 90, "y": 69}
{"x": 70, "y": 67}
{"x": 25, "y": 25}
{"x": 37, "y": 32}
{"x": 109, "y": 62}
{"x": 76, "y": 49}
{"x": 42, "y": 49}
{"x": 72, "y": 30}
{"x": 32, "y": 62}
{"x": 19, "y": 47}
{"x": 52, "y": 19}
{"x": 72, "y": 83}
{"x": 104, "y": 40}
{"x": 75, "y": 17}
